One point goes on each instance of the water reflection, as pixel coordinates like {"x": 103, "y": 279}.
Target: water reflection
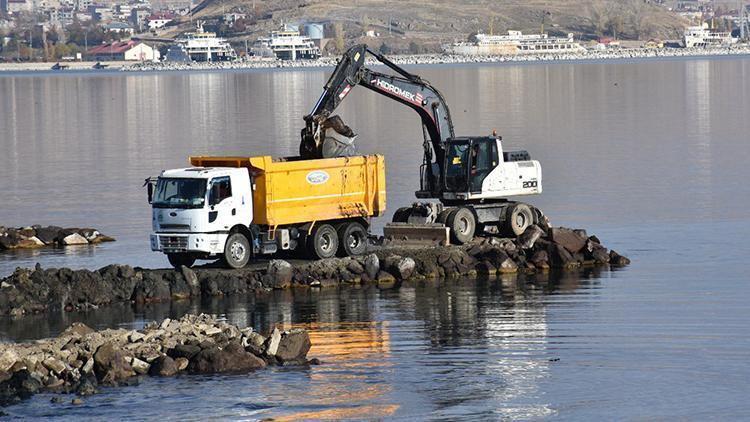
{"x": 401, "y": 351}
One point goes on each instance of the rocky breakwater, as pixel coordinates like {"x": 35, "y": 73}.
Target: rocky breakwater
{"x": 80, "y": 360}
{"x": 38, "y": 236}
{"x": 37, "y": 290}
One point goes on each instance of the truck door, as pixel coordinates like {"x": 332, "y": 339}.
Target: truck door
{"x": 222, "y": 210}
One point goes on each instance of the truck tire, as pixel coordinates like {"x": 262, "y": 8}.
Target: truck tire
{"x": 237, "y": 251}
{"x": 462, "y": 223}
{"x": 352, "y": 239}
{"x": 519, "y": 216}
{"x": 179, "y": 259}
{"x": 402, "y": 215}
{"x": 323, "y": 242}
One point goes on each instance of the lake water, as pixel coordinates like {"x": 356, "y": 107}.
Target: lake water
{"x": 651, "y": 156}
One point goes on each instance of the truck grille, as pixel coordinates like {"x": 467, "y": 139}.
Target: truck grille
{"x": 173, "y": 243}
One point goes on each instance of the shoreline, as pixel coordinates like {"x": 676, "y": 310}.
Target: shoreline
{"x": 416, "y": 59}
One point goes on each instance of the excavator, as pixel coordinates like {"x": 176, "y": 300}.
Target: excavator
{"x": 472, "y": 177}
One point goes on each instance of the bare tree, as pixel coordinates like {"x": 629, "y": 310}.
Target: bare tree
{"x": 598, "y": 16}
{"x": 338, "y": 30}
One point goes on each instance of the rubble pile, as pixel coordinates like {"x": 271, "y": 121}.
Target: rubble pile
{"x": 38, "y": 236}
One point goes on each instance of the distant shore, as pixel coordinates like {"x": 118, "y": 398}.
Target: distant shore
{"x": 412, "y": 59}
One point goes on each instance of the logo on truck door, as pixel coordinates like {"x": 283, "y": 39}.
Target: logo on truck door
{"x": 317, "y": 177}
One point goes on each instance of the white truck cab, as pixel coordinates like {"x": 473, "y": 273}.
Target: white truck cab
{"x": 194, "y": 209}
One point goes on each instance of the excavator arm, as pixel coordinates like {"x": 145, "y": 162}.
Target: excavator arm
{"x": 404, "y": 87}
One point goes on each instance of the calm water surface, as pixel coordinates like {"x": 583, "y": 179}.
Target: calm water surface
{"x": 651, "y": 156}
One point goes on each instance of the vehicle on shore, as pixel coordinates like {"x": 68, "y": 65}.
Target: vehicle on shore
{"x": 234, "y": 208}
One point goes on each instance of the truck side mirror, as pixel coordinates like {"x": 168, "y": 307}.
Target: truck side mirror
{"x": 149, "y": 184}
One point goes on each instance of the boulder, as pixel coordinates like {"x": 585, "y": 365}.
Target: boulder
{"x": 48, "y": 234}
{"x": 54, "y": 365}
{"x": 372, "y": 266}
{"x": 272, "y": 343}
{"x": 529, "y": 237}
{"x": 20, "y": 386}
{"x": 163, "y": 366}
{"x": 110, "y": 365}
{"x": 540, "y": 259}
{"x": 89, "y": 234}
{"x": 355, "y": 267}
{"x": 77, "y": 329}
{"x": 561, "y": 257}
{"x": 279, "y": 274}
{"x": 403, "y": 268}
{"x": 140, "y": 367}
{"x": 182, "y": 363}
{"x": 7, "y": 359}
{"x": 293, "y": 346}
{"x": 233, "y": 358}
{"x": 74, "y": 239}
{"x": 570, "y": 239}
{"x": 183, "y": 351}
{"x": 618, "y": 260}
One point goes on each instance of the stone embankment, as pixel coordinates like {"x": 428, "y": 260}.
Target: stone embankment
{"x": 28, "y": 291}
{"x": 433, "y": 59}
{"x": 38, "y": 237}
{"x": 80, "y": 360}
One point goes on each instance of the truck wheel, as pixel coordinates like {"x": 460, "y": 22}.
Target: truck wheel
{"x": 324, "y": 242}
{"x": 179, "y": 259}
{"x": 518, "y": 218}
{"x": 237, "y": 251}
{"x": 462, "y": 224}
{"x": 402, "y": 215}
{"x": 352, "y": 239}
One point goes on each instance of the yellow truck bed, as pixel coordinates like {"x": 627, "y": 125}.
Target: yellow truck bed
{"x": 293, "y": 191}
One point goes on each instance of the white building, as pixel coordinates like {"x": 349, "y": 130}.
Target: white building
{"x": 157, "y": 23}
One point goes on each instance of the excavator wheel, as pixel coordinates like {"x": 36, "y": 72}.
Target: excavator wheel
{"x": 462, "y": 223}
{"x": 519, "y": 216}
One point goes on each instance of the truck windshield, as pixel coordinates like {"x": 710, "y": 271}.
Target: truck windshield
{"x": 180, "y": 193}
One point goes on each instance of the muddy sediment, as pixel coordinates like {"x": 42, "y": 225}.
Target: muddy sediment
{"x": 29, "y": 291}
{"x": 81, "y": 360}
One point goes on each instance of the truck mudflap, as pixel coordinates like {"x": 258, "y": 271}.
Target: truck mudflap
{"x": 408, "y": 234}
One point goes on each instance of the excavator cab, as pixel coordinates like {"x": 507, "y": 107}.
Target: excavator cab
{"x": 468, "y": 161}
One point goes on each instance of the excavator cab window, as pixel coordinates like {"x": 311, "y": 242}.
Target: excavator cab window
{"x": 483, "y": 161}
{"x": 456, "y": 165}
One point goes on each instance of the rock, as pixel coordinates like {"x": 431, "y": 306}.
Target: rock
{"x": 561, "y": 257}
{"x": 529, "y": 237}
{"x": 110, "y": 365}
{"x": 191, "y": 279}
{"x": 540, "y": 259}
{"x": 182, "y": 363}
{"x": 384, "y": 277}
{"x": 293, "y": 346}
{"x": 102, "y": 238}
{"x": 486, "y": 268}
{"x": 86, "y": 388}
{"x": 88, "y": 367}
{"x": 76, "y": 401}
{"x": 372, "y": 266}
{"x": 508, "y": 266}
{"x": 403, "y": 268}
{"x": 74, "y": 239}
{"x": 89, "y": 234}
{"x": 212, "y": 331}
{"x": 135, "y": 336}
{"x": 232, "y": 358}
{"x": 279, "y": 274}
{"x": 183, "y": 351}
{"x": 140, "y": 367}
{"x": 48, "y": 234}
{"x": 77, "y": 329}
{"x": 355, "y": 267}
{"x": 54, "y": 365}
{"x": 273, "y": 342}
{"x": 20, "y": 386}
{"x": 56, "y": 400}
{"x": 163, "y": 366}
{"x": 7, "y": 359}
{"x": 569, "y": 239}
{"x": 618, "y": 260}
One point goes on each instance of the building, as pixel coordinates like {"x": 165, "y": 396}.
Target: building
{"x": 123, "y": 50}
{"x": 159, "y": 20}
{"x": 18, "y": 6}
{"x": 119, "y": 27}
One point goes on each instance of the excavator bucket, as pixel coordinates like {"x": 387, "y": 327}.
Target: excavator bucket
{"x": 407, "y": 234}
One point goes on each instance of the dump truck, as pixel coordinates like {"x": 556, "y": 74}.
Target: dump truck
{"x": 234, "y": 208}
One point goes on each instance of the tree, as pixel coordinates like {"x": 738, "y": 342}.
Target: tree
{"x": 599, "y": 17}
{"x": 384, "y": 49}
{"x": 414, "y": 48}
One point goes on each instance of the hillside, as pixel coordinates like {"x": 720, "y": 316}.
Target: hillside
{"x": 424, "y": 25}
